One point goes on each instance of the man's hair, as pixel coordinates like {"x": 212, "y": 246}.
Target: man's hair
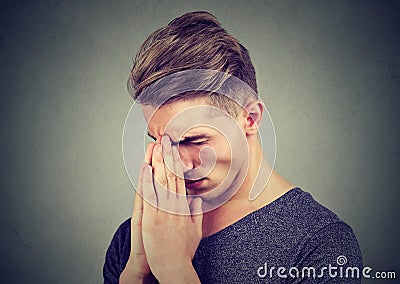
{"x": 195, "y": 40}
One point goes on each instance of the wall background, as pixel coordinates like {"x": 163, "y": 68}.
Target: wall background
{"x": 329, "y": 72}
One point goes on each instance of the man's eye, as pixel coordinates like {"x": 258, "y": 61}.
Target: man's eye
{"x": 198, "y": 142}
{"x": 192, "y": 143}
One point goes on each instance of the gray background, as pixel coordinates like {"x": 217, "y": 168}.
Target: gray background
{"x": 329, "y": 72}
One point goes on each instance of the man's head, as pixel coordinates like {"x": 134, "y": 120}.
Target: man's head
{"x": 181, "y": 99}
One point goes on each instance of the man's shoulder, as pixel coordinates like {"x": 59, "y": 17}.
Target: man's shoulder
{"x": 305, "y": 206}
{"x": 291, "y": 231}
{"x": 297, "y": 210}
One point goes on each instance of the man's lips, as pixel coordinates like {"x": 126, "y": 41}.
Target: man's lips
{"x": 194, "y": 183}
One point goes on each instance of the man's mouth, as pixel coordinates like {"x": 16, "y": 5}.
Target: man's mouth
{"x": 193, "y": 184}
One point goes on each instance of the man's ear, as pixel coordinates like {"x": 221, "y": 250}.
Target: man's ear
{"x": 253, "y": 116}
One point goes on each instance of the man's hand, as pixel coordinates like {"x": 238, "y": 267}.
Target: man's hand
{"x": 137, "y": 269}
{"x": 170, "y": 240}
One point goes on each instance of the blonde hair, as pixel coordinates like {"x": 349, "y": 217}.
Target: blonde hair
{"x": 195, "y": 40}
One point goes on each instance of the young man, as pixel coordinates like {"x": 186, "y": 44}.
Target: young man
{"x": 193, "y": 218}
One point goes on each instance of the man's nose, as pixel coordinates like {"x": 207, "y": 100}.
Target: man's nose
{"x": 186, "y": 158}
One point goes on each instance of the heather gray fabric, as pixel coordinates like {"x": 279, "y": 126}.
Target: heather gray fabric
{"x": 293, "y": 231}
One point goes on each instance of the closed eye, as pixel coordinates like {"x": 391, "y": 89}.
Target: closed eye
{"x": 188, "y": 143}
{"x": 194, "y": 140}
{"x": 197, "y": 142}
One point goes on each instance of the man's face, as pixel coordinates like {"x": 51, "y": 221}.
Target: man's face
{"x": 212, "y": 146}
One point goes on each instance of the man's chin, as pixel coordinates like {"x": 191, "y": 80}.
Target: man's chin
{"x": 213, "y": 196}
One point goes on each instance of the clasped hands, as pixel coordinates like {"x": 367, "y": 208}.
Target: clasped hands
{"x": 166, "y": 227}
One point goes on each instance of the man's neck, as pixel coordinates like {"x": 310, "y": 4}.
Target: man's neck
{"x": 240, "y": 205}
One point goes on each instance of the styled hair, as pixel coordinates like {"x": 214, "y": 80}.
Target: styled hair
{"x": 194, "y": 40}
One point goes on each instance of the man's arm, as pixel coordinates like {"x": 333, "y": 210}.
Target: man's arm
{"x": 117, "y": 254}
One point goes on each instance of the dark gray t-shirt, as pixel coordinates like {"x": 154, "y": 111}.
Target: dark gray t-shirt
{"x": 294, "y": 239}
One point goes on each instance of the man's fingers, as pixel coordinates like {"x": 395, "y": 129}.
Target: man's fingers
{"x": 160, "y": 182}
{"x": 149, "y": 153}
{"x": 197, "y": 214}
{"x": 149, "y": 194}
{"x": 158, "y": 165}
{"x": 180, "y": 181}
{"x": 138, "y": 205}
{"x": 137, "y": 217}
{"x": 168, "y": 163}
